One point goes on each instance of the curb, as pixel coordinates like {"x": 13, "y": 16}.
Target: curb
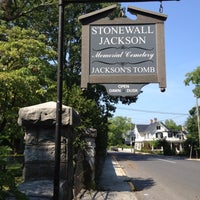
{"x": 120, "y": 172}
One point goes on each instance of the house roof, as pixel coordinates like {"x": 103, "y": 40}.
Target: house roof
{"x": 150, "y": 127}
{"x": 142, "y": 127}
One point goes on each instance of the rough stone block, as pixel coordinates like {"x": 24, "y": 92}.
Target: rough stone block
{"x": 45, "y": 115}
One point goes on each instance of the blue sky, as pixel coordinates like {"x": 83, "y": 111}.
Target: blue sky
{"x": 182, "y": 54}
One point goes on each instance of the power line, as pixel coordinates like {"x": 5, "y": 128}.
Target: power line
{"x": 151, "y": 111}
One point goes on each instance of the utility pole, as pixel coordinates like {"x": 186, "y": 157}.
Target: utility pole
{"x": 198, "y": 121}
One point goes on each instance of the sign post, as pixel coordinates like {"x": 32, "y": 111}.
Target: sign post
{"x": 59, "y": 102}
{"x": 86, "y": 20}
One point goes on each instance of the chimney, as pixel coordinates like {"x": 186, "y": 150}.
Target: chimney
{"x": 155, "y": 120}
{"x": 151, "y": 121}
{"x": 182, "y": 128}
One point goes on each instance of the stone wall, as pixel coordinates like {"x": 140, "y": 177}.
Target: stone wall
{"x": 39, "y": 154}
{"x": 85, "y": 162}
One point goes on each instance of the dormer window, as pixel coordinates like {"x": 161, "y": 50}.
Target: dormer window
{"x": 158, "y": 127}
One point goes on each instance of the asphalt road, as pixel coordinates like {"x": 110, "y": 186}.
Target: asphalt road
{"x": 161, "y": 177}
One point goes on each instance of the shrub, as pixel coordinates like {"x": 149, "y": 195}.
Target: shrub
{"x": 167, "y": 150}
{"x": 8, "y": 186}
{"x": 146, "y": 147}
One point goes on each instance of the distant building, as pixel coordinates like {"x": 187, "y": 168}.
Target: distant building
{"x": 129, "y": 138}
{"x": 157, "y": 130}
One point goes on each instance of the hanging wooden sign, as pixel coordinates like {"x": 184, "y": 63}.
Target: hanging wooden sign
{"x": 123, "y": 51}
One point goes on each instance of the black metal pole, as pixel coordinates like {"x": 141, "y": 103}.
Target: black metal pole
{"x": 59, "y": 101}
{"x": 70, "y": 169}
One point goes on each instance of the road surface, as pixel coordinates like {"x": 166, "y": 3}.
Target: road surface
{"x": 161, "y": 177}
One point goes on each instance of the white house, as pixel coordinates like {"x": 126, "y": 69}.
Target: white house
{"x": 157, "y": 130}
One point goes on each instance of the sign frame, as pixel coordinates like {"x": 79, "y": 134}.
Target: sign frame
{"x": 144, "y": 17}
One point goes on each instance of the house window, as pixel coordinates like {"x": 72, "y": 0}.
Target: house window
{"x": 170, "y": 134}
{"x": 158, "y": 127}
{"x": 159, "y": 135}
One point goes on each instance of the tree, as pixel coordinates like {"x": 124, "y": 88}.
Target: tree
{"x": 25, "y": 74}
{"x": 167, "y": 150}
{"x": 194, "y": 78}
{"x": 28, "y": 53}
{"x": 34, "y": 57}
{"x": 192, "y": 125}
{"x": 192, "y": 128}
{"x": 118, "y": 126}
{"x": 172, "y": 125}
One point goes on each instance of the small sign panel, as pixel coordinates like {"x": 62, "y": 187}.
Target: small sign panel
{"x": 123, "y": 49}
{"x": 123, "y": 90}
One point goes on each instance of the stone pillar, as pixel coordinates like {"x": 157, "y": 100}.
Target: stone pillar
{"x": 39, "y": 123}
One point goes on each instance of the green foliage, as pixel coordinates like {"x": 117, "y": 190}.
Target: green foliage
{"x": 191, "y": 145}
{"x": 194, "y": 78}
{"x": 25, "y": 74}
{"x": 21, "y": 47}
{"x": 192, "y": 137}
{"x": 167, "y": 149}
{"x": 118, "y": 126}
{"x": 88, "y": 110}
{"x": 172, "y": 125}
{"x": 156, "y": 144}
{"x": 8, "y": 185}
{"x": 191, "y": 123}
{"x": 146, "y": 147}
{"x": 192, "y": 141}
{"x": 13, "y": 10}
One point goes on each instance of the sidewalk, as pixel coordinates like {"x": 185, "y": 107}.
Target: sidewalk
{"x": 114, "y": 184}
